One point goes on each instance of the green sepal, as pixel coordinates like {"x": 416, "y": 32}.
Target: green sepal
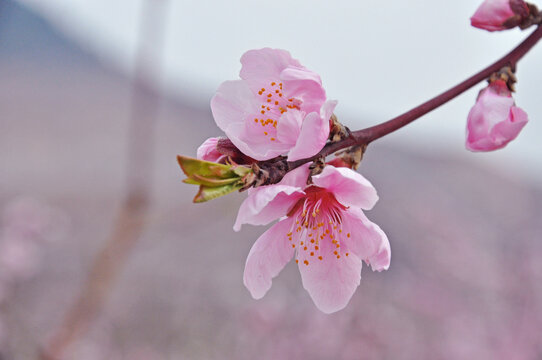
{"x": 215, "y": 180}
{"x": 206, "y": 193}
{"x": 212, "y": 182}
{"x": 190, "y": 181}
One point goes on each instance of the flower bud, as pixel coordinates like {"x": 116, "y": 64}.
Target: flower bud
{"x": 208, "y": 151}
{"x": 214, "y": 179}
{"x": 497, "y": 15}
{"x": 494, "y": 120}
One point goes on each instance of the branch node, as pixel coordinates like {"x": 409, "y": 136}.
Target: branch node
{"x": 506, "y": 74}
{"x": 337, "y": 131}
{"x": 352, "y": 156}
{"x": 316, "y": 168}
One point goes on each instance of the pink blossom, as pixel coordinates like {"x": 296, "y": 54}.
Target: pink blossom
{"x": 496, "y": 15}
{"x": 208, "y": 152}
{"x": 19, "y": 258}
{"x": 323, "y": 226}
{"x": 278, "y": 107}
{"x": 494, "y": 120}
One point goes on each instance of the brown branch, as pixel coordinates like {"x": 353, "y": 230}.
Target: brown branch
{"x": 366, "y": 136}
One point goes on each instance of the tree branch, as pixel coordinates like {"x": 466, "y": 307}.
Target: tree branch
{"x": 366, "y": 136}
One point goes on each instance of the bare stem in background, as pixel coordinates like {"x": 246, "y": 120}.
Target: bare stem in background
{"x": 133, "y": 213}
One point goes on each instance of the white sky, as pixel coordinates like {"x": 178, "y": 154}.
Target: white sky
{"x": 378, "y": 58}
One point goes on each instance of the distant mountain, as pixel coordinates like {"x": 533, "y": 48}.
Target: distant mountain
{"x": 25, "y": 35}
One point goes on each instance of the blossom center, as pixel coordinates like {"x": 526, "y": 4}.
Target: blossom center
{"x": 317, "y": 226}
{"x": 274, "y": 104}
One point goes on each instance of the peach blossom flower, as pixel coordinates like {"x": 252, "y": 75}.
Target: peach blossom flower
{"x": 323, "y": 226}
{"x": 208, "y": 152}
{"x": 278, "y": 107}
{"x": 494, "y": 120}
{"x": 496, "y": 15}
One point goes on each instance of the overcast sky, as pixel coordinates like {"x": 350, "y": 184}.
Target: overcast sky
{"x": 378, "y": 58}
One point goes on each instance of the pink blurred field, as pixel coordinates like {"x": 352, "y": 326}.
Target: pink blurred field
{"x": 465, "y": 280}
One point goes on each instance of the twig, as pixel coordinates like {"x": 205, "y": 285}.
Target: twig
{"x": 366, "y": 136}
{"x": 133, "y": 213}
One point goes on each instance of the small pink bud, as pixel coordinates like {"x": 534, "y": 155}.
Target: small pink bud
{"x": 497, "y": 15}
{"x": 208, "y": 151}
{"x": 494, "y": 120}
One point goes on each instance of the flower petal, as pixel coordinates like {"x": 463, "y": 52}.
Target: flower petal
{"x": 260, "y": 67}
{"x": 304, "y": 85}
{"x": 492, "y": 14}
{"x": 367, "y": 239}
{"x": 208, "y": 152}
{"x": 289, "y": 127}
{"x": 312, "y": 138}
{"x": 297, "y": 177}
{"x": 331, "y": 282}
{"x": 232, "y": 103}
{"x": 349, "y": 187}
{"x": 314, "y": 133}
{"x": 494, "y": 120}
{"x": 327, "y": 109}
{"x": 506, "y": 131}
{"x": 267, "y": 203}
{"x": 269, "y": 254}
{"x": 233, "y": 107}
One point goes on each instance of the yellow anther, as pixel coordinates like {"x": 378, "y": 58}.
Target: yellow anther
{"x": 320, "y": 258}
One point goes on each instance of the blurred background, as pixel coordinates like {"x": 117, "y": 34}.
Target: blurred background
{"x": 103, "y": 255}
